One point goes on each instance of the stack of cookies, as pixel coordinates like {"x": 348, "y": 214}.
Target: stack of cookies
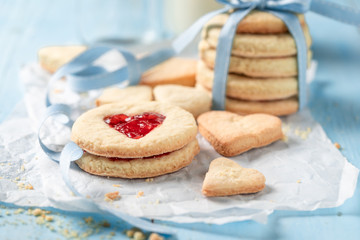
{"x": 263, "y": 64}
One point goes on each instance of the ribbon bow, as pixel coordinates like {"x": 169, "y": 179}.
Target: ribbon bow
{"x": 298, "y": 6}
{"x": 82, "y": 75}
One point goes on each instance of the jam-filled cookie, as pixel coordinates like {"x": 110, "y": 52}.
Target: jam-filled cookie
{"x": 135, "y": 141}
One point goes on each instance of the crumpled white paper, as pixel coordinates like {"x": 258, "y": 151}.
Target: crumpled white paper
{"x": 303, "y": 172}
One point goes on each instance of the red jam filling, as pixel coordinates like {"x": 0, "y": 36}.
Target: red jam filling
{"x": 136, "y": 126}
{"x": 129, "y": 159}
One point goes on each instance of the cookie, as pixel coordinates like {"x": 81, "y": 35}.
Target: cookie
{"x": 53, "y": 57}
{"x": 246, "y": 88}
{"x": 225, "y": 177}
{"x": 194, "y": 100}
{"x": 179, "y": 71}
{"x": 139, "y": 167}
{"x": 255, "y": 22}
{"x": 258, "y": 45}
{"x": 128, "y": 95}
{"x": 254, "y": 67}
{"x": 276, "y": 107}
{"x": 231, "y": 134}
{"x": 135, "y": 130}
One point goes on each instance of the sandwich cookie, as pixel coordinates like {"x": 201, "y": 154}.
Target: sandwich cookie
{"x": 135, "y": 141}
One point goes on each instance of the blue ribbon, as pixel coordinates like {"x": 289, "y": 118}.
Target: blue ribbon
{"x": 73, "y": 152}
{"x": 83, "y": 75}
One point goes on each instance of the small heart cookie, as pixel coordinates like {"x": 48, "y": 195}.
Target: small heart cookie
{"x": 231, "y": 134}
{"x": 225, "y": 177}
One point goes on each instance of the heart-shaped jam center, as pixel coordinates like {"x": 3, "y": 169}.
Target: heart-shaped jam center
{"x": 136, "y": 126}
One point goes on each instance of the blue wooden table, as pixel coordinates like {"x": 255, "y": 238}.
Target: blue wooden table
{"x": 26, "y": 26}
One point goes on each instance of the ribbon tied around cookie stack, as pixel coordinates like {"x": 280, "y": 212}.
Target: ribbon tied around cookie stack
{"x": 83, "y": 75}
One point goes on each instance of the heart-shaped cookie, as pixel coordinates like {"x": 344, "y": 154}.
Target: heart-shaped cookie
{"x": 231, "y": 134}
{"x": 225, "y": 177}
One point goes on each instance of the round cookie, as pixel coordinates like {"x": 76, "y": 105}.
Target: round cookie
{"x": 258, "y": 45}
{"x": 128, "y": 95}
{"x": 176, "y": 70}
{"x": 254, "y": 67}
{"x": 94, "y": 135}
{"x": 277, "y": 107}
{"x": 196, "y": 101}
{"x": 246, "y": 88}
{"x": 53, "y": 57}
{"x": 139, "y": 167}
{"x": 255, "y": 22}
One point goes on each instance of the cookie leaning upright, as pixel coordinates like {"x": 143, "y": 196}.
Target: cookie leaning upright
{"x": 136, "y": 140}
{"x": 262, "y": 65}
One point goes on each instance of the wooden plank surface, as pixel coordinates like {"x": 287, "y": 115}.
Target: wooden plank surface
{"x": 25, "y": 26}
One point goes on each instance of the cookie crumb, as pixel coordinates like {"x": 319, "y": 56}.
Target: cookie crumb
{"x": 57, "y": 91}
{"x": 105, "y": 224}
{"x": 155, "y": 236}
{"x": 138, "y": 235}
{"x": 89, "y": 220}
{"x": 337, "y": 145}
{"x": 130, "y": 233}
{"x": 19, "y": 210}
{"x": 40, "y": 220}
{"x": 303, "y": 134}
{"x": 36, "y": 212}
{"x": 285, "y": 138}
{"x": 157, "y": 201}
{"x": 22, "y": 168}
{"x": 140, "y": 194}
{"x": 49, "y": 218}
{"x": 112, "y": 196}
{"x": 29, "y": 187}
{"x": 116, "y": 185}
{"x": 298, "y": 181}
{"x": 149, "y": 180}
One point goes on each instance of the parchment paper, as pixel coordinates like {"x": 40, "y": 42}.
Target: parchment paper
{"x": 304, "y": 171}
